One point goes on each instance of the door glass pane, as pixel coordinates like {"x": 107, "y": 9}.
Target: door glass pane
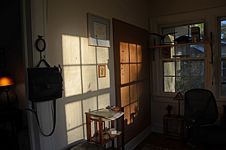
{"x": 140, "y": 71}
{"x": 139, "y": 54}
{"x": 124, "y": 96}
{"x": 133, "y": 93}
{"x": 124, "y": 52}
{"x": 133, "y": 53}
{"x": 133, "y": 72}
{"x": 124, "y": 73}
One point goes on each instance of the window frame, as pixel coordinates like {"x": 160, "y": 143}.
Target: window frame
{"x": 159, "y": 75}
{"x": 219, "y": 59}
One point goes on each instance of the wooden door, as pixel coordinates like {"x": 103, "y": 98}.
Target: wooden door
{"x": 132, "y": 76}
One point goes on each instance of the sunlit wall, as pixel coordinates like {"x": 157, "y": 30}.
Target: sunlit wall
{"x": 82, "y": 83}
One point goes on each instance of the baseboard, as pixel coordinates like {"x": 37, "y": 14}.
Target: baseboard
{"x": 138, "y": 139}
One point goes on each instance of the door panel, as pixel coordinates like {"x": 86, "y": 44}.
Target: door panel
{"x": 132, "y": 76}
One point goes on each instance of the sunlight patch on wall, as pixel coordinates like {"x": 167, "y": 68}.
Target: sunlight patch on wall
{"x": 72, "y": 80}
{"x": 81, "y": 82}
{"x": 102, "y": 55}
{"x": 89, "y": 104}
{"x": 71, "y": 52}
{"x": 73, "y": 114}
{"x": 104, "y": 83}
{"x": 103, "y": 100}
{"x": 75, "y": 134}
{"x": 89, "y": 78}
{"x": 88, "y": 52}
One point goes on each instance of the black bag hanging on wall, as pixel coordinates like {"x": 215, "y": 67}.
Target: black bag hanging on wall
{"x": 44, "y": 83}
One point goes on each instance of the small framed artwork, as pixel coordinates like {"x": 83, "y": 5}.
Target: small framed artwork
{"x": 98, "y": 30}
{"x": 101, "y": 71}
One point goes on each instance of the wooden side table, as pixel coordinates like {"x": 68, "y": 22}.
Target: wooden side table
{"x": 173, "y": 125}
{"x": 103, "y": 134}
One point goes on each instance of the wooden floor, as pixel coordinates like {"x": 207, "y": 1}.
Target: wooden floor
{"x": 160, "y": 142}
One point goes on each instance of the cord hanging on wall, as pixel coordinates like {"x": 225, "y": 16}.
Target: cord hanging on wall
{"x": 45, "y": 84}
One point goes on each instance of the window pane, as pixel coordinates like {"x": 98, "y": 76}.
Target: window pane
{"x": 181, "y": 30}
{"x": 197, "y": 51}
{"x": 169, "y": 84}
{"x": 140, "y": 71}
{"x": 124, "y": 96}
{"x": 124, "y": 73}
{"x": 183, "y": 68}
{"x": 197, "y": 82}
{"x": 197, "y": 68}
{"x": 169, "y": 69}
{"x": 133, "y": 72}
{"x": 223, "y": 57}
{"x": 182, "y": 50}
{"x": 124, "y": 52}
{"x": 133, "y": 93}
{"x": 201, "y": 28}
{"x": 133, "y": 53}
{"x": 139, "y": 54}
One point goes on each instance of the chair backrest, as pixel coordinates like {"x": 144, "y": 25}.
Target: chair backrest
{"x": 200, "y": 107}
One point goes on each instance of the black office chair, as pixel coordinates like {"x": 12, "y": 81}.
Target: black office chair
{"x": 201, "y": 114}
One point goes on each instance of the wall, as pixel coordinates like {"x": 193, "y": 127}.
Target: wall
{"x": 175, "y": 13}
{"x": 56, "y": 18}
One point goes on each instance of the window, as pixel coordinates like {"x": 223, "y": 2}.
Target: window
{"x": 222, "y": 38}
{"x": 183, "y": 64}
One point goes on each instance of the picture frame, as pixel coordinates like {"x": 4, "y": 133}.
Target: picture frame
{"x": 98, "y": 30}
{"x": 101, "y": 71}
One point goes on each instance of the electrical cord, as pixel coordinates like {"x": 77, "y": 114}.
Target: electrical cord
{"x": 34, "y": 111}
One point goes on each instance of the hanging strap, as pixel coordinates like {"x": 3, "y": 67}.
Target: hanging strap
{"x": 45, "y": 63}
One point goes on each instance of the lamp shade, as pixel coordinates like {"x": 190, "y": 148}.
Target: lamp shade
{"x": 6, "y": 81}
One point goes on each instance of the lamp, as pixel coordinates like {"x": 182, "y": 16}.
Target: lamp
{"x": 5, "y": 83}
{"x": 179, "y": 97}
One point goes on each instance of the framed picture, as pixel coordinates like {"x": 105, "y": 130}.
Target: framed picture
{"x": 101, "y": 71}
{"x": 98, "y": 30}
